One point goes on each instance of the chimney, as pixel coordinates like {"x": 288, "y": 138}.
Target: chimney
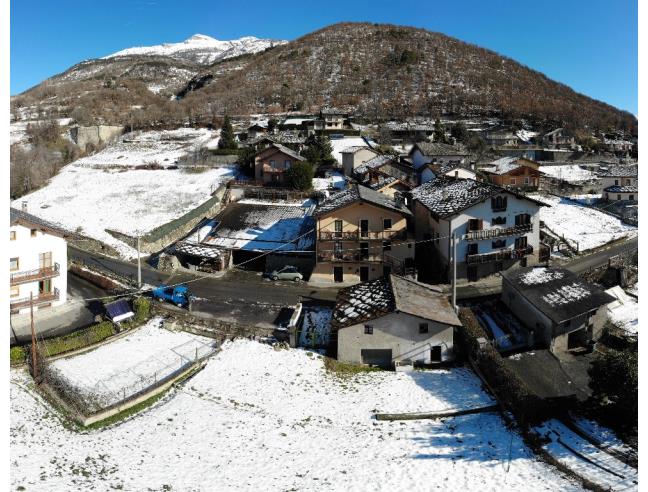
{"x": 398, "y": 198}
{"x": 444, "y": 194}
{"x": 456, "y": 174}
{"x": 24, "y": 206}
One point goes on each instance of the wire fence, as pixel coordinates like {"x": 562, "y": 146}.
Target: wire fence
{"x": 87, "y": 396}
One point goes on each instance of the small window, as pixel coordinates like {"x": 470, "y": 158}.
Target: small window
{"x": 368, "y": 329}
{"x": 498, "y": 243}
{"x": 631, "y": 197}
{"x": 33, "y": 232}
{"x": 272, "y": 164}
{"x": 512, "y": 181}
{"x": 423, "y": 328}
{"x": 15, "y": 291}
{"x": 287, "y": 164}
{"x": 616, "y": 182}
{"x": 627, "y": 182}
{"x": 386, "y": 245}
{"x": 526, "y": 180}
{"x": 618, "y": 197}
{"x": 14, "y": 264}
{"x": 387, "y": 224}
{"x": 12, "y": 235}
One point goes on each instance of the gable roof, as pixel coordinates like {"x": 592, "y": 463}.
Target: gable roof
{"x": 283, "y": 137}
{"x": 358, "y": 193}
{"x": 33, "y": 222}
{"x": 445, "y": 196}
{"x": 431, "y": 149}
{"x": 444, "y": 167}
{"x": 619, "y": 172}
{"x": 283, "y": 149}
{"x": 374, "y": 163}
{"x": 556, "y": 292}
{"x": 356, "y": 148}
{"x": 371, "y": 300}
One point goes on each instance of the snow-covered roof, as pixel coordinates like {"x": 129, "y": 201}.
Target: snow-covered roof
{"x": 371, "y": 300}
{"x": 503, "y": 165}
{"x": 621, "y": 189}
{"x": 356, "y": 194}
{"x": 284, "y": 137}
{"x": 556, "y": 292}
{"x": 431, "y": 149}
{"x": 196, "y": 249}
{"x": 619, "y": 171}
{"x": 446, "y": 196}
{"x": 356, "y": 148}
{"x": 29, "y": 220}
{"x": 374, "y": 163}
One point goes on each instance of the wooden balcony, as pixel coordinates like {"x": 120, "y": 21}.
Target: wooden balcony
{"x": 358, "y": 235}
{"x": 42, "y": 298}
{"x": 329, "y": 256}
{"x": 498, "y": 232}
{"x": 35, "y": 275}
{"x": 505, "y": 254}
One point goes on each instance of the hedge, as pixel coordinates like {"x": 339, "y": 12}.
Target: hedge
{"x": 509, "y": 388}
{"x": 78, "y": 339}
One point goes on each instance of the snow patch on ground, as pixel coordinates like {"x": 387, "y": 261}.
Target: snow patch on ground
{"x": 256, "y": 418}
{"x": 587, "y": 226}
{"x": 571, "y": 173}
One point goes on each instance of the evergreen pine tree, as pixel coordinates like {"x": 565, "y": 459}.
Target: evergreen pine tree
{"x": 227, "y": 135}
{"x": 439, "y": 132}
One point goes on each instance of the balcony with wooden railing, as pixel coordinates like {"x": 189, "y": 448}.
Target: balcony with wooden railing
{"x": 504, "y": 254}
{"x": 358, "y": 235}
{"x": 331, "y": 256}
{"x": 41, "y": 298}
{"x": 478, "y": 235}
{"x": 35, "y": 275}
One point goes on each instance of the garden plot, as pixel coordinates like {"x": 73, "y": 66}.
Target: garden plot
{"x": 587, "y": 227}
{"x": 89, "y": 200}
{"x": 156, "y": 148}
{"x": 120, "y": 369}
{"x": 256, "y": 418}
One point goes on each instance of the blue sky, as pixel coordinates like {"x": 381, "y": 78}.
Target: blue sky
{"x": 589, "y": 45}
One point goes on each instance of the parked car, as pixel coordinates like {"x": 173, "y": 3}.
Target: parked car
{"x": 288, "y": 272}
{"x": 178, "y": 295}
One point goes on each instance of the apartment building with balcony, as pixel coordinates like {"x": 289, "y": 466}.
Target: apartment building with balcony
{"x": 272, "y": 162}
{"x": 361, "y": 235}
{"x": 37, "y": 263}
{"x": 496, "y": 228}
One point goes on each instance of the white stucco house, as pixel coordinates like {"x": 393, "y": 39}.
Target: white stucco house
{"x": 392, "y": 320}
{"x": 496, "y": 228}
{"x": 436, "y": 153}
{"x": 37, "y": 263}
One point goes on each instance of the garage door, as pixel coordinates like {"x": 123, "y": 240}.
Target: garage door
{"x": 377, "y": 357}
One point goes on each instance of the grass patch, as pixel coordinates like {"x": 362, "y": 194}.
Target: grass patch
{"x": 17, "y": 355}
{"x": 78, "y": 339}
{"x": 346, "y": 369}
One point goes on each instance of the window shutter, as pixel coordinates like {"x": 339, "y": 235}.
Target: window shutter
{"x": 480, "y": 225}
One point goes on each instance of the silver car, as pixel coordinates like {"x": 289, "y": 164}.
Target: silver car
{"x": 287, "y": 273}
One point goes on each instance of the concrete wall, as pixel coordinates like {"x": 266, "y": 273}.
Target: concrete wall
{"x": 95, "y": 135}
{"x": 27, "y": 249}
{"x": 400, "y": 333}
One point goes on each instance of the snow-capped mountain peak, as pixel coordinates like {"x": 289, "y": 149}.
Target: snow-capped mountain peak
{"x": 202, "y": 49}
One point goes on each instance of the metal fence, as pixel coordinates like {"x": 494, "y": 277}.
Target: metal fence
{"x": 128, "y": 383}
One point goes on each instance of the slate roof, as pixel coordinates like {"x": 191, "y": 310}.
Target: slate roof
{"x": 284, "y": 137}
{"x": 503, "y": 165}
{"x": 283, "y": 149}
{"x": 431, "y": 149}
{"x": 445, "y": 196}
{"x": 621, "y": 189}
{"x": 29, "y": 220}
{"x": 619, "y": 171}
{"x": 199, "y": 250}
{"x": 556, "y": 292}
{"x": 444, "y": 167}
{"x": 359, "y": 193}
{"x": 371, "y": 300}
{"x": 373, "y": 163}
{"x": 542, "y": 373}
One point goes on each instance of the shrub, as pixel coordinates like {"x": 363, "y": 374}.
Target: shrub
{"x": 346, "y": 369}
{"x": 17, "y": 355}
{"x": 142, "y": 308}
{"x": 78, "y": 339}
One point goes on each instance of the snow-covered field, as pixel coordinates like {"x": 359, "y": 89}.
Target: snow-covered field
{"x": 162, "y": 148}
{"x": 571, "y": 173}
{"x": 120, "y": 369}
{"x": 583, "y": 225}
{"x": 89, "y": 200}
{"x": 262, "y": 419}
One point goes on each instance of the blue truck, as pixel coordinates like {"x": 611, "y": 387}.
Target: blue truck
{"x": 178, "y": 295}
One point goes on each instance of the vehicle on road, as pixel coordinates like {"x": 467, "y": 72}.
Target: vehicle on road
{"x": 178, "y": 295}
{"x": 288, "y": 272}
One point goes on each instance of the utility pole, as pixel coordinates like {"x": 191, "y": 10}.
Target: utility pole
{"x": 139, "y": 263}
{"x": 454, "y": 272}
{"x": 33, "y": 335}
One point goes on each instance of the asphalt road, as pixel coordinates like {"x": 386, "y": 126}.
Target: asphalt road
{"x": 238, "y": 295}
